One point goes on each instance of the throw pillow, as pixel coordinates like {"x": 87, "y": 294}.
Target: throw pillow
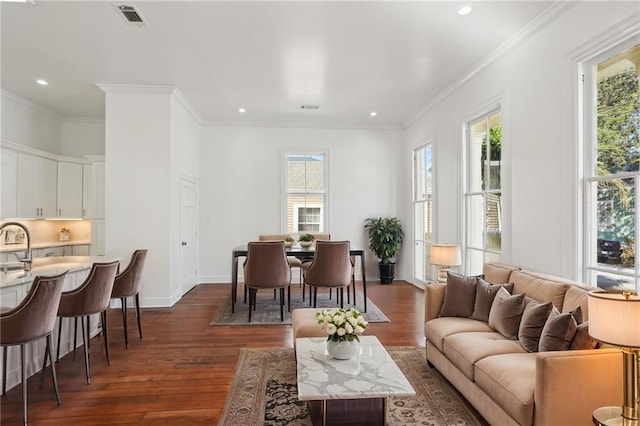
{"x": 506, "y": 312}
{"x": 485, "y": 293}
{"x": 582, "y": 339}
{"x": 558, "y": 332}
{"x": 533, "y": 320}
{"x": 459, "y": 296}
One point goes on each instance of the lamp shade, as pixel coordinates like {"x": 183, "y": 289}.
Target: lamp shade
{"x": 445, "y": 255}
{"x": 615, "y": 319}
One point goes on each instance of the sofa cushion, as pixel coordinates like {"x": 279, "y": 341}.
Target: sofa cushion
{"x": 438, "y": 329}
{"x": 497, "y": 273}
{"x": 510, "y": 380}
{"x": 465, "y": 349}
{"x": 506, "y": 312}
{"x": 542, "y": 288}
{"x": 459, "y": 297}
{"x": 533, "y": 320}
{"x": 558, "y": 332}
{"x": 582, "y": 339}
{"x": 485, "y": 293}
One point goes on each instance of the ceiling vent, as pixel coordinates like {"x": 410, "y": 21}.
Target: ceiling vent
{"x": 309, "y": 106}
{"x": 131, "y": 15}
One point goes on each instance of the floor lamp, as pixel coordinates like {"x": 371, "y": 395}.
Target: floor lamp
{"x": 443, "y": 256}
{"x": 615, "y": 319}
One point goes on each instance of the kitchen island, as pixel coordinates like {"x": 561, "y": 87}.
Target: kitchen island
{"x": 14, "y": 286}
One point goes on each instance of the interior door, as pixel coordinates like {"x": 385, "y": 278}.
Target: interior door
{"x": 189, "y": 234}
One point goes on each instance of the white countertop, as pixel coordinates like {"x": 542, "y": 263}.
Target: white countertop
{"x": 49, "y": 266}
{"x": 370, "y": 374}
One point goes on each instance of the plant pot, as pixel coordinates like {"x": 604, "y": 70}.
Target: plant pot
{"x": 387, "y": 272}
{"x": 343, "y": 349}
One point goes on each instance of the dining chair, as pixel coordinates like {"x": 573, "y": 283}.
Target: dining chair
{"x": 331, "y": 268}
{"x": 126, "y": 284}
{"x": 293, "y": 261}
{"x": 33, "y": 319}
{"x": 91, "y": 297}
{"x": 267, "y": 267}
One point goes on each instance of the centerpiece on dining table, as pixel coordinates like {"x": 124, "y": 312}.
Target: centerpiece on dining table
{"x": 343, "y": 326}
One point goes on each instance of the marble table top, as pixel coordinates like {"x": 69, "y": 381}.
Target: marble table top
{"x": 370, "y": 374}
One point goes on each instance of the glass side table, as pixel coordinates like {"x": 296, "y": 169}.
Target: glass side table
{"x": 608, "y": 416}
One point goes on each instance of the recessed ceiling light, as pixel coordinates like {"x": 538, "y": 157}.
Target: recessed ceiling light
{"x": 373, "y": 113}
{"x": 465, "y": 10}
{"x": 241, "y": 110}
{"x": 42, "y": 82}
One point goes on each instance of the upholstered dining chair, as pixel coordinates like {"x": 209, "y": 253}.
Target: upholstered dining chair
{"x": 33, "y": 319}
{"x": 293, "y": 261}
{"x": 331, "y": 268}
{"x": 267, "y": 267}
{"x": 126, "y": 284}
{"x": 91, "y": 297}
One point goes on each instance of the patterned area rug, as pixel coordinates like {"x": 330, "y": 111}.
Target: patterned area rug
{"x": 264, "y": 392}
{"x": 268, "y": 309}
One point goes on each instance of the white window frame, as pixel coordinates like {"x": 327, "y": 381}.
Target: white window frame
{"x": 590, "y": 266}
{"x": 487, "y": 254}
{"x": 296, "y": 215}
{"x": 324, "y": 226}
{"x": 422, "y": 268}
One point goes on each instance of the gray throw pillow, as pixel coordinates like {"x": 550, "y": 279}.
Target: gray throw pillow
{"x": 558, "y": 332}
{"x": 582, "y": 339}
{"x": 506, "y": 312}
{"x": 459, "y": 296}
{"x": 485, "y": 293}
{"x": 533, "y": 320}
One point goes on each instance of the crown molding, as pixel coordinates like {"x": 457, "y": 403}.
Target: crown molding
{"x": 542, "y": 20}
{"x": 29, "y": 104}
{"x": 185, "y": 103}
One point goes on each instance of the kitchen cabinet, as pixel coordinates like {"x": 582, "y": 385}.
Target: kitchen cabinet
{"x": 9, "y": 183}
{"x": 98, "y": 238}
{"x": 37, "y": 186}
{"x": 93, "y": 190}
{"x": 69, "y": 191}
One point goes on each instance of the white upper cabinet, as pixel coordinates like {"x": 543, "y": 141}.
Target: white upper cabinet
{"x": 93, "y": 190}
{"x": 9, "y": 182}
{"x": 37, "y": 186}
{"x": 69, "y": 190}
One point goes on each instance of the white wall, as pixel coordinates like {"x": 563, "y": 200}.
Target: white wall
{"x": 82, "y": 136}
{"x": 241, "y": 172}
{"x": 535, "y": 82}
{"x": 26, "y": 123}
{"x": 137, "y": 182}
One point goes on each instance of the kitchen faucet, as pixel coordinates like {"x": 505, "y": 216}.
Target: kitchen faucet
{"x": 28, "y": 259}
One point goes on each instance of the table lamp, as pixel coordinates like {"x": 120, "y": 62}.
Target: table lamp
{"x": 615, "y": 319}
{"x": 444, "y": 256}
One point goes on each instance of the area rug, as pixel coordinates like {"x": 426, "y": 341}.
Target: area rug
{"x": 268, "y": 309}
{"x": 264, "y": 392}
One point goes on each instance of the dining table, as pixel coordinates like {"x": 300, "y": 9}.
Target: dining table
{"x": 299, "y": 252}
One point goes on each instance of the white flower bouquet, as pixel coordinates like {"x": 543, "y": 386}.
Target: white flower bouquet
{"x": 345, "y": 324}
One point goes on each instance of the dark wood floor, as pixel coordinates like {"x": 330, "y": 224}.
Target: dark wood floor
{"x": 180, "y": 373}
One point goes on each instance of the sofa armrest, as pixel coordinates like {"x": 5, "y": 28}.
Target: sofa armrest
{"x": 571, "y": 384}
{"x": 433, "y": 299}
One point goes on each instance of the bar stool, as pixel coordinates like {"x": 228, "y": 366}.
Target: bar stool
{"x": 126, "y": 284}
{"x": 91, "y": 297}
{"x": 33, "y": 319}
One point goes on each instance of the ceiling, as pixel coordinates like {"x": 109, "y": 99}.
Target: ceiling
{"x": 348, "y": 58}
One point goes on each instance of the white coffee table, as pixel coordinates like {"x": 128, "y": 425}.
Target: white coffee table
{"x": 352, "y": 391}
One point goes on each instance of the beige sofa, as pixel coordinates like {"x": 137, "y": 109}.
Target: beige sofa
{"x": 507, "y": 384}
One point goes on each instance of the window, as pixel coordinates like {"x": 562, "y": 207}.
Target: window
{"x": 423, "y": 211}
{"x": 612, "y": 163}
{"x": 306, "y": 195}
{"x": 483, "y": 193}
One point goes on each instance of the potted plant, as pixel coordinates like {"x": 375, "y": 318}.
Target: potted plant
{"x": 306, "y": 240}
{"x": 385, "y": 237}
